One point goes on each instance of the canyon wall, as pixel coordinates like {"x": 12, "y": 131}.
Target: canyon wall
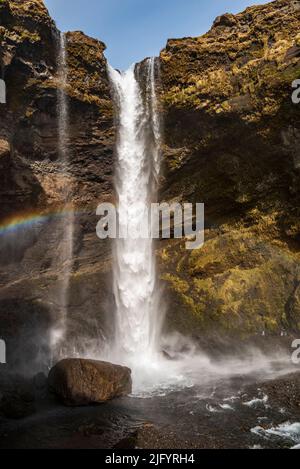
{"x": 33, "y": 181}
{"x": 232, "y": 137}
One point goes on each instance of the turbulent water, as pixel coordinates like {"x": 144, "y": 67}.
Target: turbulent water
{"x": 138, "y": 308}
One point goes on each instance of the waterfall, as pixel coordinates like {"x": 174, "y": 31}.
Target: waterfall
{"x": 155, "y": 120}
{"x": 136, "y": 290}
{"x": 158, "y": 363}
{"x": 66, "y": 228}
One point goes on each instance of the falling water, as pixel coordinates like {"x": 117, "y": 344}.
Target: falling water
{"x": 65, "y": 252}
{"x": 138, "y": 309}
{"x": 155, "y": 120}
{"x": 139, "y": 313}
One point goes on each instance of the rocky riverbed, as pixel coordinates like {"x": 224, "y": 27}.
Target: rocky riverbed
{"x": 239, "y": 412}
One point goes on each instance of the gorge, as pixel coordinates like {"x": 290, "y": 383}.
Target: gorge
{"x": 210, "y": 120}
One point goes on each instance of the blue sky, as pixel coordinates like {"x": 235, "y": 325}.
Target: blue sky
{"x": 135, "y": 29}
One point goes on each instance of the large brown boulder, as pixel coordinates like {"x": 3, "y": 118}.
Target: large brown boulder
{"x": 83, "y": 382}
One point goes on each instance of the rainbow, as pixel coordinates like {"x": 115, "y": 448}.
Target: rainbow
{"x": 30, "y": 219}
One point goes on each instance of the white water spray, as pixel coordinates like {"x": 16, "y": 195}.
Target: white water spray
{"x": 65, "y": 254}
{"x": 154, "y": 114}
{"x": 138, "y": 309}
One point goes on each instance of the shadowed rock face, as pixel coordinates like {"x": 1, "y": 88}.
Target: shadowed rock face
{"x": 83, "y": 382}
{"x": 32, "y": 177}
{"x": 231, "y": 135}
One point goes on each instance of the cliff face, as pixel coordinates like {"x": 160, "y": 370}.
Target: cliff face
{"x": 232, "y": 141}
{"x": 34, "y": 181}
{"x": 29, "y": 56}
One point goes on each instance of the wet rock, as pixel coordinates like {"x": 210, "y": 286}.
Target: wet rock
{"x": 40, "y": 381}
{"x": 283, "y": 393}
{"x": 32, "y": 180}
{"x": 18, "y": 406}
{"x": 17, "y": 399}
{"x": 166, "y": 355}
{"x": 82, "y": 382}
{"x": 149, "y": 436}
{"x": 40, "y": 386}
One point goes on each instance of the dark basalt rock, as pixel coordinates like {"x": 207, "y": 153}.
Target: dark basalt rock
{"x": 32, "y": 178}
{"x": 232, "y": 142}
{"x": 17, "y": 397}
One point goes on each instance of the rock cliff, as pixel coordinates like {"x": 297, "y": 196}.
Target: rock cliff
{"x": 232, "y": 141}
{"x": 34, "y": 180}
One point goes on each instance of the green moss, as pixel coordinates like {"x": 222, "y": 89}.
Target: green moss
{"x": 34, "y": 9}
{"x": 178, "y": 285}
{"x": 197, "y": 70}
{"x": 239, "y": 282}
{"x": 23, "y": 35}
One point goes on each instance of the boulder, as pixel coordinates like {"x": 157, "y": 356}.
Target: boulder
{"x": 82, "y": 382}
